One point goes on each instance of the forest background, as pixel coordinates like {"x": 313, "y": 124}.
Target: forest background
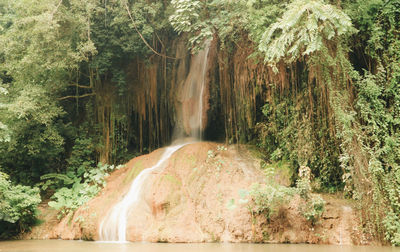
{"x": 85, "y": 85}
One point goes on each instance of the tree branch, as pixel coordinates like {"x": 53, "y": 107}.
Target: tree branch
{"x": 144, "y": 40}
{"x": 75, "y": 96}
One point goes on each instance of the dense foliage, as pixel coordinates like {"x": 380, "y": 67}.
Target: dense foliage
{"x": 378, "y": 114}
{"x": 313, "y": 83}
{"x": 77, "y": 189}
{"x": 333, "y": 105}
{"x": 63, "y": 67}
{"x": 17, "y": 207}
{"x": 62, "y": 76}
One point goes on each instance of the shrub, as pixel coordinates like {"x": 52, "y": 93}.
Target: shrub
{"x": 313, "y": 208}
{"x": 392, "y": 226}
{"x": 18, "y": 205}
{"x": 268, "y": 198}
{"x": 313, "y": 205}
{"x": 67, "y": 199}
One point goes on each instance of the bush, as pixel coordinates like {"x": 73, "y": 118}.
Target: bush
{"x": 313, "y": 205}
{"x": 288, "y": 134}
{"x": 392, "y": 226}
{"x": 67, "y": 199}
{"x": 268, "y": 198}
{"x": 313, "y": 209}
{"x": 17, "y": 207}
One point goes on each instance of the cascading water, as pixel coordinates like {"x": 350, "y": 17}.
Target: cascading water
{"x": 201, "y": 95}
{"x": 114, "y": 225}
{"x": 113, "y": 228}
{"x": 192, "y": 95}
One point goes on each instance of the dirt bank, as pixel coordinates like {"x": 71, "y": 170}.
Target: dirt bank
{"x": 188, "y": 202}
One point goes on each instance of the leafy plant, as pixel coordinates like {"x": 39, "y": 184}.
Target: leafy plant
{"x": 392, "y": 226}
{"x": 313, "y": 209}
{"x": 226, "y": 19}
{"x": 267, "y": 198}
{"x": 305, "y": 28}
{"x": 67, "y": 199}
{"x": 313, "y": 205}
{"x": 18, "y": 205}
{"x": 4, "y": 131}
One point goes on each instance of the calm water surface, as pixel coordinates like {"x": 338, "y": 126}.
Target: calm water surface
{"x": 72, "y": 246}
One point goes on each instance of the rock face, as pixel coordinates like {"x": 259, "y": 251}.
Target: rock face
{"x": 185, "y": 202}
{"x": 188, "y": 201}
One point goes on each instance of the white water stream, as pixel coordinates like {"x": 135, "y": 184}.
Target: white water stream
{"x": 201, "y": 95}
{"x": 113, "y": 227}
{"x": 192, "y": 95}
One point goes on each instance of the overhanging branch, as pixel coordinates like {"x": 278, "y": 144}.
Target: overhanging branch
{"x": 76, "y": 96}
{"x": 143, "y": 39}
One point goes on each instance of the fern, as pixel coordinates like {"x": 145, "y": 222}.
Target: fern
{"x": 62, "y": 177}
{"x": 304, "y": 28}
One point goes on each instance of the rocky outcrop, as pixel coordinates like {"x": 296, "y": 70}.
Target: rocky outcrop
{"x": 187, "y": 201}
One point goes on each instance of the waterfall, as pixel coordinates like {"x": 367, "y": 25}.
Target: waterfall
{"x": 113, "y": 227}
{"x": 202, "y": 85}
{"x": 192, "y": 94}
